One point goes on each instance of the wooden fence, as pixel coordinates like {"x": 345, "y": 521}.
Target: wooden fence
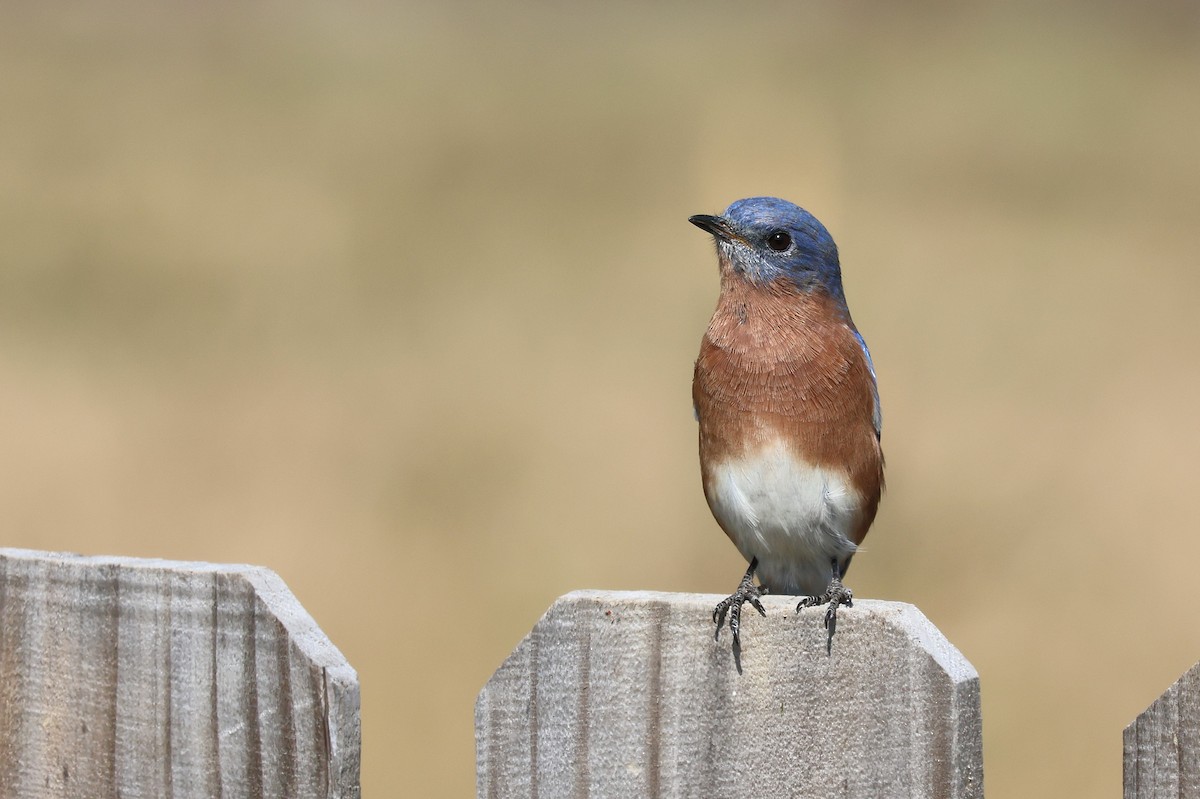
{"x": 138, "y": 678}
{"x": 1162, "y": 745}
{"x": 617, "y": 694}
{"x": 628, "y": 694}
{"x": 134, "y": 678}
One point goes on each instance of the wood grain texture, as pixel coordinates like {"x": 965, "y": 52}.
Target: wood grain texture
{"x": 1162, "y": 745}
{"x": 619, "y": 694}
{"x": 129, "y": 678}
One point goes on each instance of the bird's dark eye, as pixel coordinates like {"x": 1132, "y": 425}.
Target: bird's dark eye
{"x": 779, "y": 241}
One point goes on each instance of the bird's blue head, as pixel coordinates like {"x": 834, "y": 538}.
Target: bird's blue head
{"x": 765, "y": 239}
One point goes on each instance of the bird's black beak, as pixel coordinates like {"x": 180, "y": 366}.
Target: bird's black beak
{"x": 716, "y": 225}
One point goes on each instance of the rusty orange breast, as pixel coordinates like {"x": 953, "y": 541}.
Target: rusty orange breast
{"x": 780, "y": 364}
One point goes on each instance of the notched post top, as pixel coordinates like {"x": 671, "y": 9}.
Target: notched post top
{"x": 130, "y": 677}
{"x": 1162, "y": 745}
{"x": 617, "y": 694}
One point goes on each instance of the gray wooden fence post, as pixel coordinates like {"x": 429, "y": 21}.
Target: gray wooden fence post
{"x": 139, "y": 678}
{"x": 627, "y": 694}
{"x": 1162, "y": 745}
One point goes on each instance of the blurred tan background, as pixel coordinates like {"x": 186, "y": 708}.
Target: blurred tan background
{"x": 401, "y": 301}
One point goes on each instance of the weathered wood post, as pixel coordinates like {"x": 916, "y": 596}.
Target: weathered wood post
{"x": 623, "y": 694}
{"x": 1162, "y": 745}
{"x": 139, "y": 678}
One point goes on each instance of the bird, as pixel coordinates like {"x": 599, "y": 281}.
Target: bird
{"x": 787, "y": 401}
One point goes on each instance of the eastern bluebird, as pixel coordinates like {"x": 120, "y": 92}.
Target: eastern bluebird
{"x": 788, "y": 406}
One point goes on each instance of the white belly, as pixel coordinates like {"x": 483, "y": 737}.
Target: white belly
{"x": 794, "y": 517}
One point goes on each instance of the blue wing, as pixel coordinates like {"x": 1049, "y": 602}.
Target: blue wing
{"x": 877, "y": 417}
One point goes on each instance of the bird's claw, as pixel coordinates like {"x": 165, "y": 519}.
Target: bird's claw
{"x": 731, "y": 605}
{"x": 836, "y": 594}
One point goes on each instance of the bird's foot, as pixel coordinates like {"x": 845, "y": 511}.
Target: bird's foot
{"x": 746, "y": 591}
{"x": 835, "y": 594}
